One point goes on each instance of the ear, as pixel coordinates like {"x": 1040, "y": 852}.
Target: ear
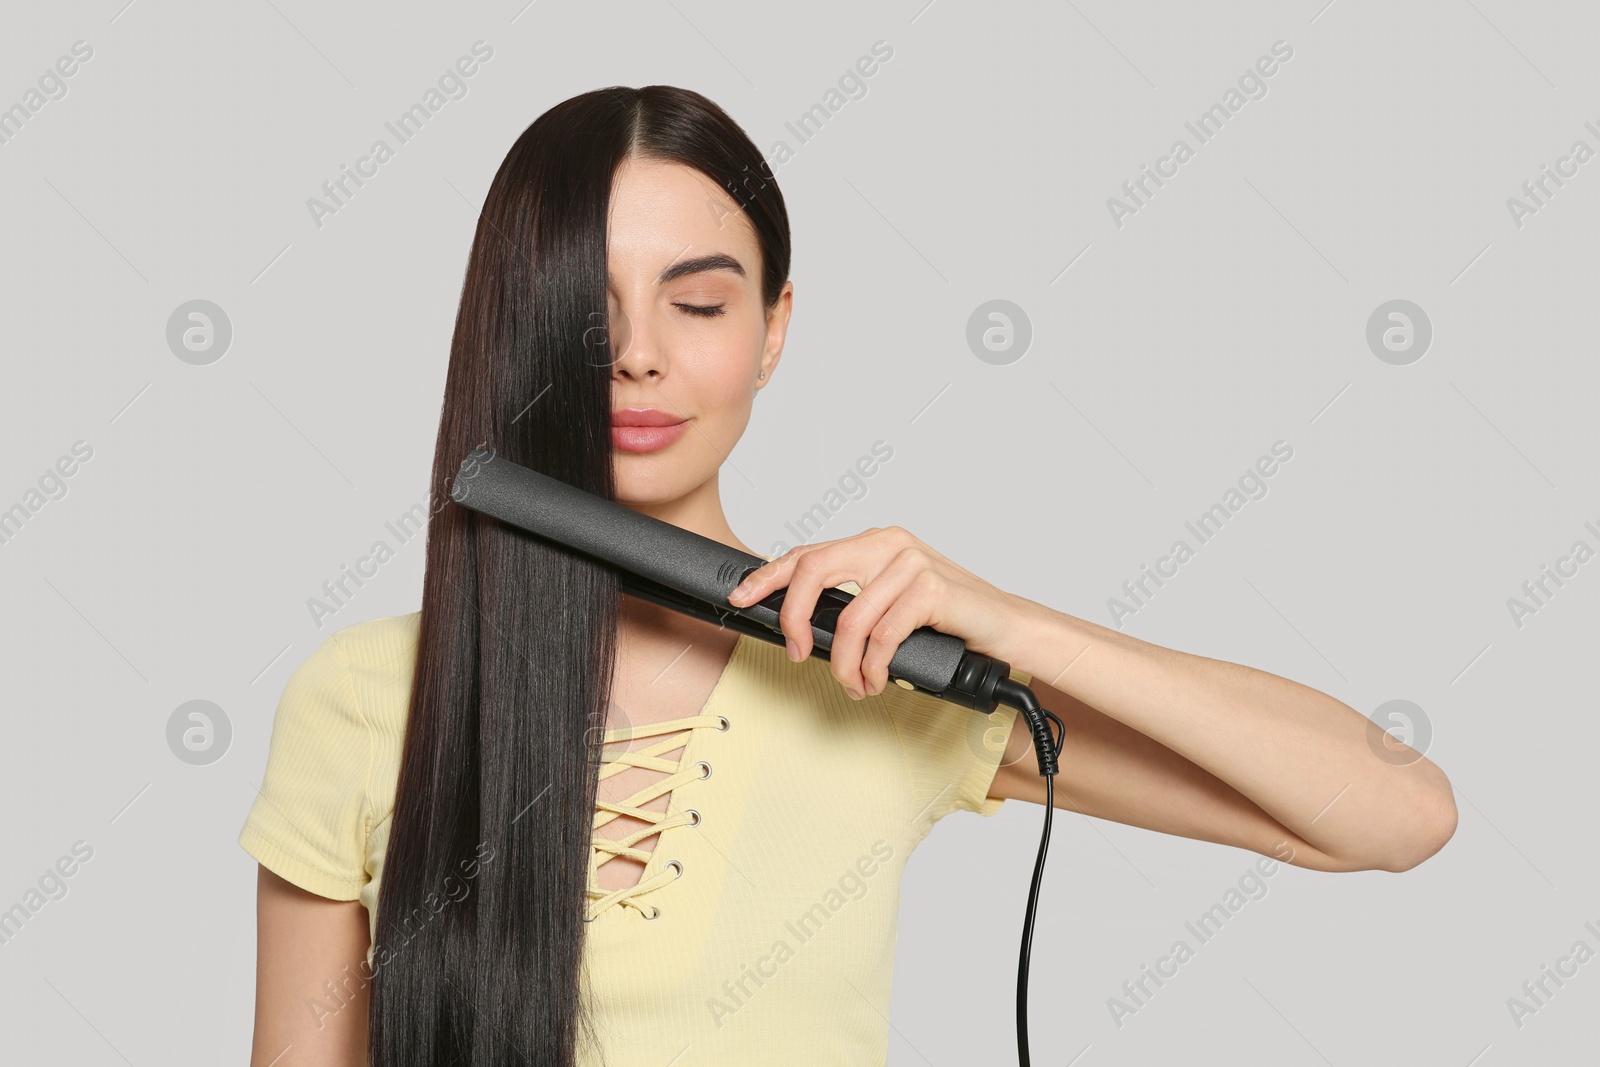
{"x": 777, "y": 329}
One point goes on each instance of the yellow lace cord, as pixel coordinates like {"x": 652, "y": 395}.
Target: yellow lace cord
{"x": 649, "y": 757}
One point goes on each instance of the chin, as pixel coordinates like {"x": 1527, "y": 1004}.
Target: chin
{"x": 641, "y": 491}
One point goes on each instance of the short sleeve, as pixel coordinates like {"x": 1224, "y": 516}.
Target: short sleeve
{"x": 308, "y": 823}
{"x": 951, "y": 753}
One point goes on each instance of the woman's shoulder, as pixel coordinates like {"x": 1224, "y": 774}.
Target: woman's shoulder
{"x": 379, "y": 644}
{"x": 335, "y": 744}
{"x": 381, "y": 657}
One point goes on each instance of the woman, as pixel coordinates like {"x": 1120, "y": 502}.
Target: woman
{"x": 626, "y": 299}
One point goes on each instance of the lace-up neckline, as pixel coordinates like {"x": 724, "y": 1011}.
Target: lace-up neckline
{"x": 675, "y": 734}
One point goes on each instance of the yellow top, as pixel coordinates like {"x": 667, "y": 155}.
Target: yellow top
{"x": 793, "y": 810}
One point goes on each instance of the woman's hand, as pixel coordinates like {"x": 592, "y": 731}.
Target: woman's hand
{"x": 904, "y": 585}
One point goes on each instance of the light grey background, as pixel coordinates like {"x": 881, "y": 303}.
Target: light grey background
{"x": 1167, "y": 354}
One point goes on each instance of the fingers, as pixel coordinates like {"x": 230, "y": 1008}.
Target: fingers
{"x": 871, "y": 628}
{"x": 905, "y": 592}
{"x": 766, "y": 579}
{"x": 899, "y": 589}
{"x": 807, "y": 577}
{"x": 805, "y": 571}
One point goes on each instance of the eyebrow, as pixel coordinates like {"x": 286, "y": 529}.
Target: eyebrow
{"x": 713, "y": 261}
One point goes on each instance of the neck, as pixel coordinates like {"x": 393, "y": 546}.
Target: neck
{"x": 643, "y": 624}
{"x": 698, "y": 511}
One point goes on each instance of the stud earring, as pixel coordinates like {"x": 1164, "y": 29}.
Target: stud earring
{"x": 761, "y": 376}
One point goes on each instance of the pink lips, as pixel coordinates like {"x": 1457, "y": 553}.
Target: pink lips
{"x": 645, "y": 429}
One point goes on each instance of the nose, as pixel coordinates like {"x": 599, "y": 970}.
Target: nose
{"x": 636, "y": 353}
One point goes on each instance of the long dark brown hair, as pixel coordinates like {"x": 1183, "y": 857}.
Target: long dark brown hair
{"x": 480, "y": 921}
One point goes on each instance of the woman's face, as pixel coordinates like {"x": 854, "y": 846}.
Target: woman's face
{"x": 689, "y": 333}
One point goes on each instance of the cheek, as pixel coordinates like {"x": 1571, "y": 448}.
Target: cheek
{"x": 724, "y": 384}
{"x": 724, "y": 366}
{"x": 725, "y": 389}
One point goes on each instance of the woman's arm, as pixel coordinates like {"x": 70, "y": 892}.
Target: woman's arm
{"x": 1212, "y": 750}
{"x": 311, "y": 1001}
{"x": 1154, "y": 737}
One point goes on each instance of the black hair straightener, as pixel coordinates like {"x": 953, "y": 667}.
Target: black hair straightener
{"x": 692, "y": 574}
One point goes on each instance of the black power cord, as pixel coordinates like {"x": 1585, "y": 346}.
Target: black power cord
{"x": 1048, "y": 751}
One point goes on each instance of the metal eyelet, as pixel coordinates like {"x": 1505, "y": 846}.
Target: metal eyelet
{"x": 675, "y": 863}
{"x": 725, "y": 724}
{"x": 655, "y": 915}
{"x": 707, "y": 766}
{"x": 696, "y": 814}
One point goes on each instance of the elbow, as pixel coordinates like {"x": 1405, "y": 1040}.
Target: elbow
{"x": 1418, "y": 824}
{"x": 1429, "y": 823}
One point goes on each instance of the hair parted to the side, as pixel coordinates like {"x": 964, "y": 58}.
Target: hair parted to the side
{"x": 500, "y": 771}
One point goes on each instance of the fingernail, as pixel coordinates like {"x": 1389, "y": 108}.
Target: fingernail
{"x": 853, "y": 694}
{"x": 739, "y": 591}
{"x": 794, "y": 649}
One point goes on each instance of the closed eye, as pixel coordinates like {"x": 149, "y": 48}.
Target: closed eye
{"x": 704, "y": 312}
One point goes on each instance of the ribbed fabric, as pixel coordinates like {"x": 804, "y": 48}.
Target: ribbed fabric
{"x": 775, "y": 943}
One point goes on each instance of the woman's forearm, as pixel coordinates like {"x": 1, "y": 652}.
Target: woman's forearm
{"x": 1319, "y": 767}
